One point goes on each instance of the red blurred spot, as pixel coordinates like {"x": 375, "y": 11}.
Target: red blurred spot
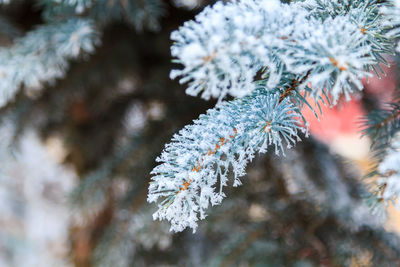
{"x": 340, "y": 120}
{"x": 344, "y": 118}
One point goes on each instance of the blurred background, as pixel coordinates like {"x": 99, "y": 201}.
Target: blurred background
{"x": 75, "y": 160}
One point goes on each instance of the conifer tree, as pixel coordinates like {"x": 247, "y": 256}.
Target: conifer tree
{"x": 94, "y": 75}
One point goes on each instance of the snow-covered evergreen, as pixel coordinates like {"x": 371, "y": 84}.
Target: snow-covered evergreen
{"x": 268, "y": 55}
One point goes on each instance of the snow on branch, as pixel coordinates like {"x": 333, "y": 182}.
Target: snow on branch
{"x": 194, "y": 166}
{"x": 227, "y": 45}
{"x": 270, "y": 56}
{"x": 392, "y": 14}
{"x": 389, "y": 172}
{"x": 42, "y": 55}
{"x": 142, "y": 14}
{"x": 335, "y": 55}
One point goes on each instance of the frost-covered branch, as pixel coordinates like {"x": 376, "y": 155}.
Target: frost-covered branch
{"x": 391, "y": 13}
{"x": 389, "y": 172}
{"x": 140, "y": 14}
{"x": 42, "y": 55}
{"x": 224, "y": 48}
{"x": 383, "y": 126}
{"x": 194, "y": 167}
{"x": 271, "y": 56}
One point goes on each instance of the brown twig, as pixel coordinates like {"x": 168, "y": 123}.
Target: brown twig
{"x": 388, "y": 119}
{"x": 293, "y": 86}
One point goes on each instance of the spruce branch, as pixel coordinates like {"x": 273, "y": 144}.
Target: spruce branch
{"x": 381, "y": 125}
{"x": 389, "y": 173}
{"x": 391, "y": 12}
{"x": 320, "y": 48}
{"x": 227, "y": 137}
{"x": 228, "y": 44}
{"x": 42, "y": 55}
{"x": 141, "y": 14}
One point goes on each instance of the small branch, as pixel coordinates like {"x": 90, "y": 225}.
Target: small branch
{"x": 293, "y": 86}
{"x": 197, "y": 168}
{"x": 388, "y": 119}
